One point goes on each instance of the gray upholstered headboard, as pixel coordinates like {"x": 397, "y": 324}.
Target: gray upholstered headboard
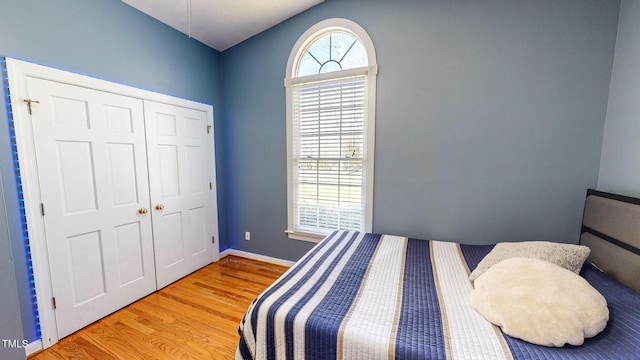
{"x": 611, "y": 228}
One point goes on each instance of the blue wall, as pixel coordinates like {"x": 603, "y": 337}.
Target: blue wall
{"x": 106, "y": 39}
{"x": 11, "y": 328}
{"x": 489, "y": 123}
{"x": 620, "y": 163}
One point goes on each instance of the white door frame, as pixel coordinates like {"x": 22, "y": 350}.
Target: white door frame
{"x": 18, "y": 71}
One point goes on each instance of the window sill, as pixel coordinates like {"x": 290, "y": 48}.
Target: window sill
{"x": 314, "y": 238}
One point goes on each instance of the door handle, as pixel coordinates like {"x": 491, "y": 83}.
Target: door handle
{"x": 142, "y": 211}
{"x": 159, "y": 207}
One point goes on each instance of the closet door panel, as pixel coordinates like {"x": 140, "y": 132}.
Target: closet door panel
{"x": 91, "y": 155}
{"x": 178, "y": 145}
{"x": 129, "y": 248}
{"x": 122, "y": 167}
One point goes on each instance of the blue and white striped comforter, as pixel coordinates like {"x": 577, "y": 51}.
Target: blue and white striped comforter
{"x": 369, "y": 296}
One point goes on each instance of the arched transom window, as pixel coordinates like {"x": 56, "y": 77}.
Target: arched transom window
{"x": 333, "y": 51}
{"x": 330, "y": 86}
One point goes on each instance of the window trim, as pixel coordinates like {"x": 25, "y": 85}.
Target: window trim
{"x": 370, "y": 71}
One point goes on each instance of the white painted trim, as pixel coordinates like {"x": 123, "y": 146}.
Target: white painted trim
{"x": 49, "y": 73}
{"x": 224, "y": 253}
{"x": 18, "y": 72}
{"x": 297, "y": 235}
{"x": 33, "y": 347}
{"x": 215, "y": 231}
{"x": 327, "y": 76}
{"x": 252, "y": 256}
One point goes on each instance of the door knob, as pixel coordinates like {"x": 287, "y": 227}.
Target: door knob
{"x": 142, "y": 211}
{"x": 159, "y": 207}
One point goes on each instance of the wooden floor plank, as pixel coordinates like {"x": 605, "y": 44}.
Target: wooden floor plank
{"x": 196, "y": 317}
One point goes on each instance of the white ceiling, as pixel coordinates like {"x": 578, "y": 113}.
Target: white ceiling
{"x": 222, "y": 24}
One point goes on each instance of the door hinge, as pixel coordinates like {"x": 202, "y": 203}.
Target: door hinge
{"x": 213, "y": 239}
{"x": 29, "y": 102}
{"x": 53, "y": 302}
{"x": 42, "y": 209}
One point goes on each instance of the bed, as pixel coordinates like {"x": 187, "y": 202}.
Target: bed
{"x": 371, "y": 296}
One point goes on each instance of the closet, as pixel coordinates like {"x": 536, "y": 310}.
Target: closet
{"x": 119, "y": 191}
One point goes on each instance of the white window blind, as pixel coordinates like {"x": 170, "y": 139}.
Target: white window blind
{"x": 329, "y": 155}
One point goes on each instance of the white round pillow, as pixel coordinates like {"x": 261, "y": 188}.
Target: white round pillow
{"x": 540, "y": 302}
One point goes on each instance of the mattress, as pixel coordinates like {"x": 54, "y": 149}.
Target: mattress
{"x": 370, "y": 296}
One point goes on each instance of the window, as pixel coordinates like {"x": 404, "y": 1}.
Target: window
{"x": 330, "y": 85}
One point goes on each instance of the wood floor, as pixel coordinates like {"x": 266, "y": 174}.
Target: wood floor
{"x": 196, "y": 317}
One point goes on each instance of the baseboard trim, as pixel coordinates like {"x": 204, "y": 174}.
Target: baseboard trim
{"x": 258, "y": 257}
{"x": 33, "y": 347}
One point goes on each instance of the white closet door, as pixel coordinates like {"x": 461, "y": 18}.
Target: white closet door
{"x": 90, "y": 151}
{"x": 179, "y": 153}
